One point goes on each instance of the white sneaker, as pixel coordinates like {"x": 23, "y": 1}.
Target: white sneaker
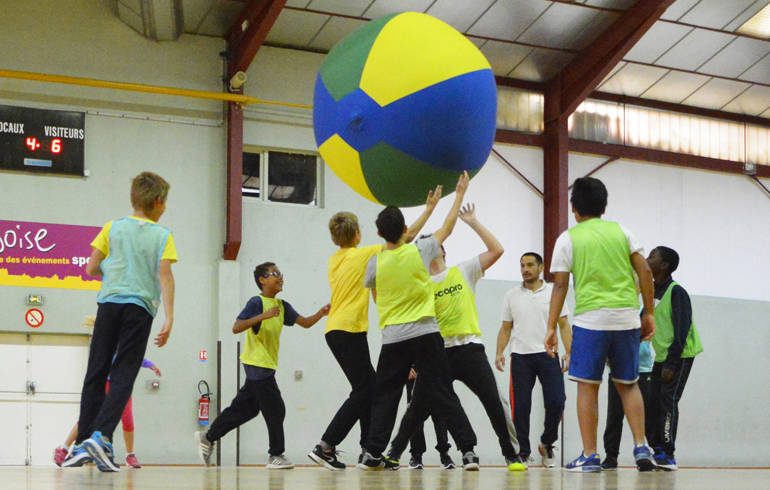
{"x": 205, "y": 447}
{"x": 279, "y": 462}
{"x": 546, "y": 453}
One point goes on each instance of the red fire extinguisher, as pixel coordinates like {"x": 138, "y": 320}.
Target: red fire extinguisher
{"x": 203, "y": 404}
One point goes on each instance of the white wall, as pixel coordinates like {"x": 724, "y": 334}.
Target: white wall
{"x": 705, "y": 216}
{"x": 85, "y": 39}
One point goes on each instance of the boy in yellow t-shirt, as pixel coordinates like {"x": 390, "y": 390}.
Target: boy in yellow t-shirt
{"x": 133, "y": 255}
{"x": 347, "y": 326}
{"x": 262, "y": 319}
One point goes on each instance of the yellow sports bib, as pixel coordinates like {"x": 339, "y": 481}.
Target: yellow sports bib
{"x": 404, "y": 291}
{"x": 455, "y": 305}
{"x": 261, "y": 349}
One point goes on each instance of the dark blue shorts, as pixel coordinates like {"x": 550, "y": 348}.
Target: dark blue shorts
{"x": 591, "y": 349}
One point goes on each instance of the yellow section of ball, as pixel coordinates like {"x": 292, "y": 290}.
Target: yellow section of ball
{"x": 345, "y": 162}
{"x": 414, "y": 51}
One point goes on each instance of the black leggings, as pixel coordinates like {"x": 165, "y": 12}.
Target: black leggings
{"x": 417, "y": 441}
{"x": 615, "y": 413}
{"x": 432, "y": 393}
{"x": 665, "y": 397}
{"x": 253, "y": 397}
{"x": 352, "y": 353}
{"x": 120, "y": 331}
{"x": 468, "y": 363}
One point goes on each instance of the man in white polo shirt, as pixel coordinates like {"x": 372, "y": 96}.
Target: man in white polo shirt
{"x": 524, "y": 321}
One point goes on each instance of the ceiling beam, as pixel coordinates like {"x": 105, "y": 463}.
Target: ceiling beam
{"x": 540, "y": 87}
{"x": 249, "y": 31}
{"x": 584, "y": 73}
{"x": 625, "y": 152}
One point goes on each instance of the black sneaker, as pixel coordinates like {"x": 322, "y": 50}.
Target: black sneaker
{"x": 416, "y": 463}
{"x": 470, "y": 461}
{"x": 367, "y": 462}
{"x": 609, "y": 464}
{"x": 390, "y": 463}
{"x": 446, "y": 462}
{"x": 326, "y": 459}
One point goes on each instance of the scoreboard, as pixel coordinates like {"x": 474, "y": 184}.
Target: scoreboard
{"x": 38, "y": 140}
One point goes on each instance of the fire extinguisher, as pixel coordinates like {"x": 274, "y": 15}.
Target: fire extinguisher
{"x": 203, "y": 404}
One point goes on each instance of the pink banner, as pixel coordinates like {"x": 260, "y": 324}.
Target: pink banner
{"x": 46, "y": 255}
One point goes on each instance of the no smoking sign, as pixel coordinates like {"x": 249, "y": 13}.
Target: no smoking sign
{"x": 34, "y": 317}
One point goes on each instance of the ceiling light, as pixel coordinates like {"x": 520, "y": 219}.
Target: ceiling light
{"x": 759, "y": 25}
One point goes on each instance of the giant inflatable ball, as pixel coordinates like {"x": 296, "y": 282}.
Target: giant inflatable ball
{"x": 403, "y": 104}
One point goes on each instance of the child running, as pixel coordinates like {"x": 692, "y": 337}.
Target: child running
{"x": 347, "y": 326}
{"x": 262, "y": 319}
{"x": 134, "y": 256}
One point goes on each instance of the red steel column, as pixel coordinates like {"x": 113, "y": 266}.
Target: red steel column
{"x": 555, "y": 173}
{"x": 234, "y": 180}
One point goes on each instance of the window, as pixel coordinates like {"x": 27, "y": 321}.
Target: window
{"x": 250, "y": 185}
{"x": 291, "y": 177}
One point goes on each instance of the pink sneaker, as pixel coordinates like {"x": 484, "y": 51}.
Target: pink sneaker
{"x": 132, "y": 461}
{"x": 59, "y": 455}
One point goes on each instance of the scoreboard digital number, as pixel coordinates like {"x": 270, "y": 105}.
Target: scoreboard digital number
{"x": 38, "y": 140}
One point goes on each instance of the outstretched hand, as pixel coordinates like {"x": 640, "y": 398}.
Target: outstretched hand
{"x": 434, "y": 196}
{"x": 462, "y": 184}
{"x": 325, "y": 309}
{"x": 468, "y": 213}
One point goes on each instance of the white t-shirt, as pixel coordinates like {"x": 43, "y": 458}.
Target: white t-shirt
{"x": 471, "y": 272}
{"x": 528, "y": 310}
{"x": 603, "y": 318}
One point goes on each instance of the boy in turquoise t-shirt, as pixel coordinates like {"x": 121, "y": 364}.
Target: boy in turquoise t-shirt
{"x": 602, "y": 256}
{"x": 134, "y": 256}
{"x": 262, "y": 319}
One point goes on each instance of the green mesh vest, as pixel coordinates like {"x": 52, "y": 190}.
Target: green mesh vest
{"x": 601, "y": 264}
{"x": 664, "y": 330}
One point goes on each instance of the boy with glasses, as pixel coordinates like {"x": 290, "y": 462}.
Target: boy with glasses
{"x": 262, "y": 319}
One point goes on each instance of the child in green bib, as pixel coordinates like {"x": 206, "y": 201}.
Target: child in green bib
{"x": 262, "y": 319}
{"x": 676, "y": 343}
{"x": 601, "y": 256}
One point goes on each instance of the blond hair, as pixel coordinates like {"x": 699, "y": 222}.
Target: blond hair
{"x": 146, "y": 189}
{"x": 343, "y": 226}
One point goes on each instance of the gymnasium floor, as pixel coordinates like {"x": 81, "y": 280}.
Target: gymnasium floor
{"x": 190, "y": 477}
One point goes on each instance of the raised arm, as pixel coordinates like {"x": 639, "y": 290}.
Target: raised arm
{"x": 449, "y": 222}
{"x": 430, "y": 205}
{"x": 167, "y": 296}
{"x": 494, "y": 248}
{"x": 648, "y": 294}
{"x": 503, "y": 337}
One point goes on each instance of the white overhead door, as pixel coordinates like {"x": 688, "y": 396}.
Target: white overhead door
{"x": 40, "y": 393}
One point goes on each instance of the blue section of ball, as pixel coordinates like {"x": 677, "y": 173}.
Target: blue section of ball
{"x": 440, "y": 125}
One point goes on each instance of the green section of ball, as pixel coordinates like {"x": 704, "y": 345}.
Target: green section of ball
{"x": 342, "y": 68}
{"x": 398, "y": 179}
